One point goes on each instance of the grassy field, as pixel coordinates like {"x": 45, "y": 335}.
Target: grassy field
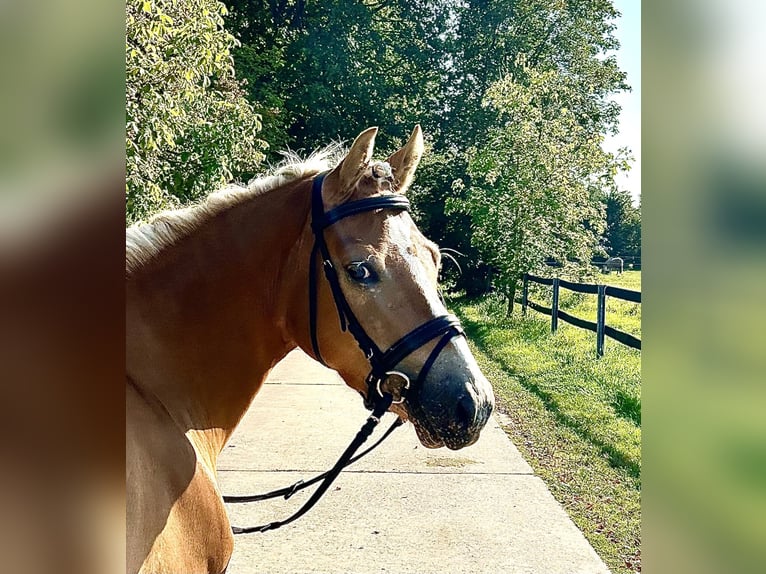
{"x": 576, "y": 419}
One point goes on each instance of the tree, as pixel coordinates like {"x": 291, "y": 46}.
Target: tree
{"x": 189, "y": 127}
{"x": 535, "y": 181}
{"x": 574, "y": 37}
{"x": 339, "y": 66}
{"x": 488, "y": 41}
{"x": 318, "y": 71}
{"x": 622, "y": 235}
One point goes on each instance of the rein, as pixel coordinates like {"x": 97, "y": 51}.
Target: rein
{"x": 328, "y": 477}
{"x": 382, "y": 363}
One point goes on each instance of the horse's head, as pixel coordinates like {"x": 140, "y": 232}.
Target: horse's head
{"x": 387, "y": 272}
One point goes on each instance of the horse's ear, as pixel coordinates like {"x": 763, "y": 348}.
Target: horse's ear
{"x": 405, "y": 161}
{"x": 340, "y": 182}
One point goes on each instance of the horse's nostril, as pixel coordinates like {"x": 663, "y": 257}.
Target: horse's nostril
{"x": 466, "y": 411}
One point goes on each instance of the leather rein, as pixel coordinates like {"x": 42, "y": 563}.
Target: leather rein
{"x": 382, "y": 363}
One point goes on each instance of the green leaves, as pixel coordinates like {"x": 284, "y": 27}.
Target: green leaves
{"x": 335, "y": 68}
{"x": 530, "y": 198}
{"x": 512, "y": 95}
{"x": 623, "y": 224}
{"x": 189, "y": 127}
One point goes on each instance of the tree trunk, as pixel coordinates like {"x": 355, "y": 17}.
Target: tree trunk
{"x": 511, "y": 299}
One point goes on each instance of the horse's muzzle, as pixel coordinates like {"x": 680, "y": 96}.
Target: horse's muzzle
{"x": 451, "y": 412}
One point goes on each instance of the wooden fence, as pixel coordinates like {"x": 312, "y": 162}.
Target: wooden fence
{"x": 599, "y": 327}
{"x": 631, "y": 263}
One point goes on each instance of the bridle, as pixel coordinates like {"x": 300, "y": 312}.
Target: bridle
{"x": 382, "y": 363}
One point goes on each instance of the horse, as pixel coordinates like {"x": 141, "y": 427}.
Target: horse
{"x": 615, "y": 263}
{"x": 216, "y": 295}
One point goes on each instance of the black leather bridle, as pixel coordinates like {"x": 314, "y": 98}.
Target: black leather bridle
{"x": 382, "y": 363}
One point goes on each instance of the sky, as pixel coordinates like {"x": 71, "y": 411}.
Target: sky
{"x": 628, "y": 32}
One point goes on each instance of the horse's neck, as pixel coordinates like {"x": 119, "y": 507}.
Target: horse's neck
{"x": 204, "y": 321}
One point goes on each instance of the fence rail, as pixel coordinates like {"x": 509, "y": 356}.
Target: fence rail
{"x": 579, "y": 287}
{"x": 631, "y": 262}
{"x": 624, "y": 294}
{"x": 599, "y": 327}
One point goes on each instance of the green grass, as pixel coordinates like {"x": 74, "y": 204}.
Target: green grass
{"x": 621, "y": 315}
{"x": 576, "y": 419}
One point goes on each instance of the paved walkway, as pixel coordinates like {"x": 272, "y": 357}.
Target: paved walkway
{"x": 401, "y": 509}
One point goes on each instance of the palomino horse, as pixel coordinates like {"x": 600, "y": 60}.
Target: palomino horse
{"x": 217, "y": 294}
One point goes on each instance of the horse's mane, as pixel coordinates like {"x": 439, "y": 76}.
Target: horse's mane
{"x": 144, "y": 240}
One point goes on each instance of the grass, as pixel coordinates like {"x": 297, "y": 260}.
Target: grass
{"x": 576, "y": 419}
{"x": 621, "y": 315}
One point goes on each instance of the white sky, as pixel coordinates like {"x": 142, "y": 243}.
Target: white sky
{"x": 628, "y": 32}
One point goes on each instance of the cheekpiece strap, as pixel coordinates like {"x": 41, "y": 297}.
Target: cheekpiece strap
{"x": 320, "y": 220}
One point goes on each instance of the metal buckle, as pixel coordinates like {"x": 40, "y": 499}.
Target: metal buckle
{"x": 400, "y": 400}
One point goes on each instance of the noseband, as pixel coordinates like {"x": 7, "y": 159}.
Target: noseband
{"x": 382, "y": 363}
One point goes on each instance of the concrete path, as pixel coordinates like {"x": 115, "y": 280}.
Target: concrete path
{"x": 401, "y": 509}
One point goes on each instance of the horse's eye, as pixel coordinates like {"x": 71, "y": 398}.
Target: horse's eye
{"x": 360, "y": 272}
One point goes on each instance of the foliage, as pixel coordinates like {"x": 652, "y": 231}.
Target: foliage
{"x": 340, "y": 66}
{"x": 622, "y": 235}
{"x": 535, "y": 181}
{"x": 188, "y": 124}
{"x": 318, "y": 71}
{"x": 259, "y": 58}
{"x": 573, "y": 37}
{"x": 490, "y": 41}
{"x": 568, "y": 42}
{"x": 577, "y": 420}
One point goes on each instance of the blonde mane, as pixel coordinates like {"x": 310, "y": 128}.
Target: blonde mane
{"x": 145, "y": 240}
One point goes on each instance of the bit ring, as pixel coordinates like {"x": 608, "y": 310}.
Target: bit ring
{"x": 400, "y": 400}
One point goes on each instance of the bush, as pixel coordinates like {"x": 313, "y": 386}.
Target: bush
{"x": 189, "y": 127}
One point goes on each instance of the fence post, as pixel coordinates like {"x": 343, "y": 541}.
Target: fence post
{"x": 555, "y": 306}
{"x": 600, "y": 320}
{"x": 524, "y": 294}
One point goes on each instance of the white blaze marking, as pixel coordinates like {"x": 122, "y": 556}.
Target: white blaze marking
{"x": 400, "y": 234}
